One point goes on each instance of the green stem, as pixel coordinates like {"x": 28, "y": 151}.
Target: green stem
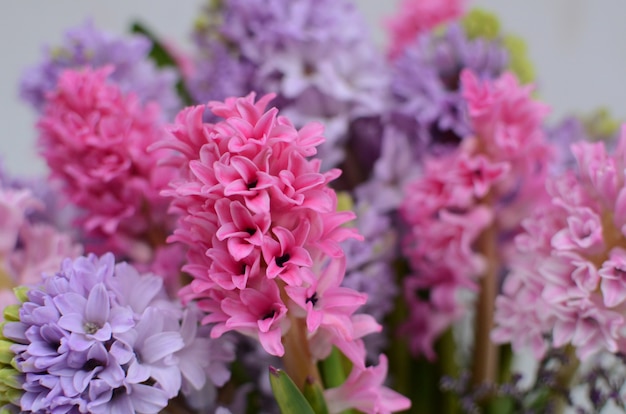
{"x": 297, "y": 358}
{"x": 485, "y": 351}
{"x": 506, "y": 362}
{"x": 400, "y": 359}
{"x": 425, "y": 393}
{"x": 447, "y": 366}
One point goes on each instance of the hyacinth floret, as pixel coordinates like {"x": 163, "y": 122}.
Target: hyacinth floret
{"x": 86, "y": 342}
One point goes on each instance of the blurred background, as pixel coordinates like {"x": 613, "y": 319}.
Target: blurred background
{"x": 575, "y": 45}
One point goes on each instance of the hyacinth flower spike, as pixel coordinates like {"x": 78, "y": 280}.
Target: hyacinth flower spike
{"x": 256, "y": 210}
{"x": 94, "y": 138}
{"x": 83, "y": 342}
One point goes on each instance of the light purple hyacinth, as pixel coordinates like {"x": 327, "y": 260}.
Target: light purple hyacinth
{"x": 99, "y": 337}
{"x": 218, "y": 75}
{"x": 562, "y": 135}
{"x": 425, "y": 84}
{"x": 86, "y": 45}
{"x": 370, "y": 269}
{"x": 315, "y": 54}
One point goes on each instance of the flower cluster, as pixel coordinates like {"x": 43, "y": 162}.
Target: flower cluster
{"x": 87, "y": 46}
{"x": 428, "y": 105}
{"x": 27, "y": 248}
{"x": 469, "y": 200}
{"x": 99, "y": 337}
{"x": 416, "y": 17}
{"x": 315, "y": 55}
{"x": 95, "y": 141}
{"x": 469, "y": 212}
{"x": 263, "y": 233}
{"x": 568, "y": 280}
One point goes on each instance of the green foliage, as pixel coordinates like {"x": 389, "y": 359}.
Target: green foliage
{"x": 481, "y": 23}
{"x": 600, "y": 125}
{"x": 519, "y": 61}
{"x": 162, "y": 58}
{"x": 315, "y": 396}
{"x": 289, "y": 398}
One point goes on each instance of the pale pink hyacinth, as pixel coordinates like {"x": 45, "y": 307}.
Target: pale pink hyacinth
{"x": 95, "y": 140}
{"x": 485, "y": 186}
{"x": 415, "y": 17}
{"x": 572, "y": 261}
{"x": 27, "y": 250}
{"x": 263, "y": 231}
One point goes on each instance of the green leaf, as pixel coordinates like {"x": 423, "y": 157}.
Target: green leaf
{"x": 159, "y": 53}
{"x": 315, "y": 396}
{"x": 332, "y": 370}
{"x": 289, "y": 398}
{"x": 481, "y": 23}
{"x": 162, "y": 58}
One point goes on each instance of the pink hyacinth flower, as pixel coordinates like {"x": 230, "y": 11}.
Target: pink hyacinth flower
{"x": 419, "y": 16}
{"x": 364, "y": 390}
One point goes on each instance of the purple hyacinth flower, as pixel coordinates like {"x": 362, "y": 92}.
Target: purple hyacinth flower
{"x": 86, "y": 45}
{"x": 88, "y": 342}
{"x": 316, "y": 55}
{"x": 427, "y": 102}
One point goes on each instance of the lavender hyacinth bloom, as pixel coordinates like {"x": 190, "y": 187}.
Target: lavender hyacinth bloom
{"x": 217, "y": 76}
{"x": 315, "y": 54}
{"x": 86, "y": 45}
{"x": 99, "y": 337}
{"x": 370, "y": 262}
{"x": 425, "y": 84}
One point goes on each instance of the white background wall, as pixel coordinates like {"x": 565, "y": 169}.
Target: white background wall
{"x": 577, "y": 47}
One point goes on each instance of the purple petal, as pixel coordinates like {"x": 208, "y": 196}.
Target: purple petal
{"x": 98, "y": 305}
{"x": 160, "y": 345}
{"x": 137, "y": 373}
{"x": 121, "y": 319}
{"x": 70, "y": 303}
{"x": 73, "y": 322}
{"x": 147, "y": 399}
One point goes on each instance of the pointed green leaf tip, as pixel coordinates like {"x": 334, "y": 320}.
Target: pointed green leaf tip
{"x": 315, "y": 396}
{"x": 481, "y": 23}
{"x": 289, "y": 398}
